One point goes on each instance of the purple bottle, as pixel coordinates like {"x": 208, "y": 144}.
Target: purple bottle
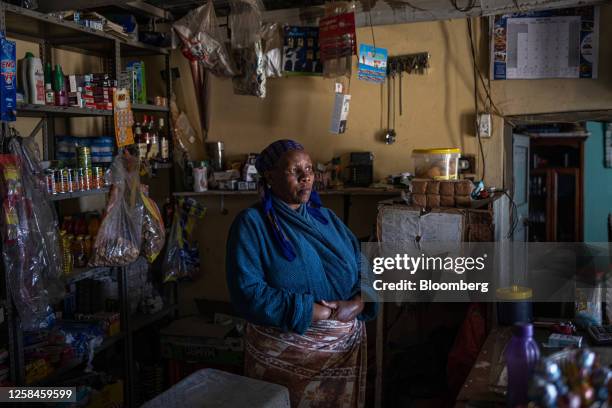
{"x": 522, "y": 354}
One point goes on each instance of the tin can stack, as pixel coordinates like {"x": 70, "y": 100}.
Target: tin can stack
{"x": 82, "y": 178}
{"x": 66, "y": 247}
{"x": 83, "y": 155}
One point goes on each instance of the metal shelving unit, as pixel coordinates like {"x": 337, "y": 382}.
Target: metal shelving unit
{"x": 132, "y": 48}
{"x": 50, "y": 32}
{"x": 66, "y": 111}
{"x": 78, "y": 194}
{"x": 149, "y": 108}
{"x": 86, "y": 273}
{"x": 158, "y": 166}
{"x": 72, "y": 365}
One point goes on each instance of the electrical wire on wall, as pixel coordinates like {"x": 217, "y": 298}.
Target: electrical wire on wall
{"x": 486, "y": 86}
{"x": 489, "y": 107}
{"x": 518, "y": 6}
{"x": 371, "y": 22}
{"x": 514, "y": 219}
{"x": 467, "y": 8}
{"x": 476, "y": 109}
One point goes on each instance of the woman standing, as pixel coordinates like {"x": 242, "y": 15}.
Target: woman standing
{"x": 293, "y": 273}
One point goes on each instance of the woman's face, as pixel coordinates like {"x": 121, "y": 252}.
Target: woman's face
{"x": 292, "y": 178}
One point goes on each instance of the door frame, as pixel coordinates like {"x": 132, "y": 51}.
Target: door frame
{"x": 526, "y": 145}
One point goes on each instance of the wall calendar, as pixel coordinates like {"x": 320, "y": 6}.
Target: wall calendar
{"x": 546, "y": 44}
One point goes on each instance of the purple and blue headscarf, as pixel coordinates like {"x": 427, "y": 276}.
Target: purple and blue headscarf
{"x": 267, "y": 160}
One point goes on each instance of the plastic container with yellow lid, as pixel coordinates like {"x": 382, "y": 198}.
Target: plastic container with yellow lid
{"x": 514, "y": 293}
{"x": 514, "y": 305}
{"x": 437, "y": 164}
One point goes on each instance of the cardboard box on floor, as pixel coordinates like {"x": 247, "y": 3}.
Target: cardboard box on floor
{"x": 195, "y": 339}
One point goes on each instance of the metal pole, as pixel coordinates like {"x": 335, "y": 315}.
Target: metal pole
{"x": 47, "y": 128}
{"x": 3, "y": 18}
{"x": 124, "y": 312}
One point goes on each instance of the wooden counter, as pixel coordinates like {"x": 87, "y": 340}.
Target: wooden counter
{"x": 482, "y": 388}
{"x": 342, "y": 192}
{"x": 345, "y": 193}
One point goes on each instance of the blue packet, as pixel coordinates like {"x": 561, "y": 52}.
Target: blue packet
{"x": 8, "y": 83}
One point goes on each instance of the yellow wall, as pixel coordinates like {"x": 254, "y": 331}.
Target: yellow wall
{"x": 438, "y": 112}
{"x": 438, "y": 107}
{"x": 433, "y": 115}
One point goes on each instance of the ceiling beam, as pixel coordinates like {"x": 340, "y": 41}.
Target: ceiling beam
{"x": 400, "y": 12}
{"x": 61, "y": 5}
{"x": 146, "y": 8}
{"x": 135, "y": 6}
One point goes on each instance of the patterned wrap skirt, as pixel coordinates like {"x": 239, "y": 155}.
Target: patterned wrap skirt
{"x": 324, "y": 367}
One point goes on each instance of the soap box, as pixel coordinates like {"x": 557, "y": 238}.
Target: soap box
{"x": 8, "y": 85}
{"x": 564, "y": 340}
{"x": 340, "y": 114}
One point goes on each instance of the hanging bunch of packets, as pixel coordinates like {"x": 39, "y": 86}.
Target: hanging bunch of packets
{"x": 301, "y": 51}
{"x": 372, "y": 64}
{"x": 182, "y": 259}
{"x": 337, "y": 36}
{"x": 124, "y": 119}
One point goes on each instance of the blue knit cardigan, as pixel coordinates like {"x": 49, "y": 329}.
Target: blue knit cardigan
{"x": 267, "y": 289}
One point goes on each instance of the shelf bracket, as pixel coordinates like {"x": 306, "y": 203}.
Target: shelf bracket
{"x": 3, "y": 19}
{"x": 223, "y": 209}
{"x": 37, "y": 128}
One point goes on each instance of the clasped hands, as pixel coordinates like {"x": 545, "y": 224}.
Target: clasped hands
{"x": 341, "y": 310}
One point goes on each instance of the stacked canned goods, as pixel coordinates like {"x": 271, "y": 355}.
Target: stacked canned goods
{"x": 83, "y": 155}
{"x": 70, "y": 180}
{"x": 99, "y": 180}
{"x": 66, "y": 247}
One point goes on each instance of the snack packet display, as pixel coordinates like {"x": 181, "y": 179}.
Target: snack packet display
{"x": 337, "y": 39}
{"x": 182, "y": 259}
{"x": 123, "y": 117}
{"x": 153, "y": 232}
{"x": 120, "y": 235}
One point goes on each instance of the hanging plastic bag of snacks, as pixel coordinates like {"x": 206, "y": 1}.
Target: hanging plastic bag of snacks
{"x": 245, "y": 22}
{"x": 202, "y": 40}
{"x": 182, "y": 259}
{"x": 44, "y": 216}
{"x": 120, "y": 235}
{"x": 252, "y": 66}
{"x": 272, "y": 41}
{"x": 153, "y": 232}
{"x": 31, "y": 252}
{"x": 245, "y": 25}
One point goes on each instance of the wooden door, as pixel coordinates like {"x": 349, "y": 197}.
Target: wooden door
{"x": 566, "y": 202}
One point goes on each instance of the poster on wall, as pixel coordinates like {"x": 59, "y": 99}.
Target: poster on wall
{"x": 546, "y": 44}
{"x": 301, "y": 51}
{"x": 372, "y": 65}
